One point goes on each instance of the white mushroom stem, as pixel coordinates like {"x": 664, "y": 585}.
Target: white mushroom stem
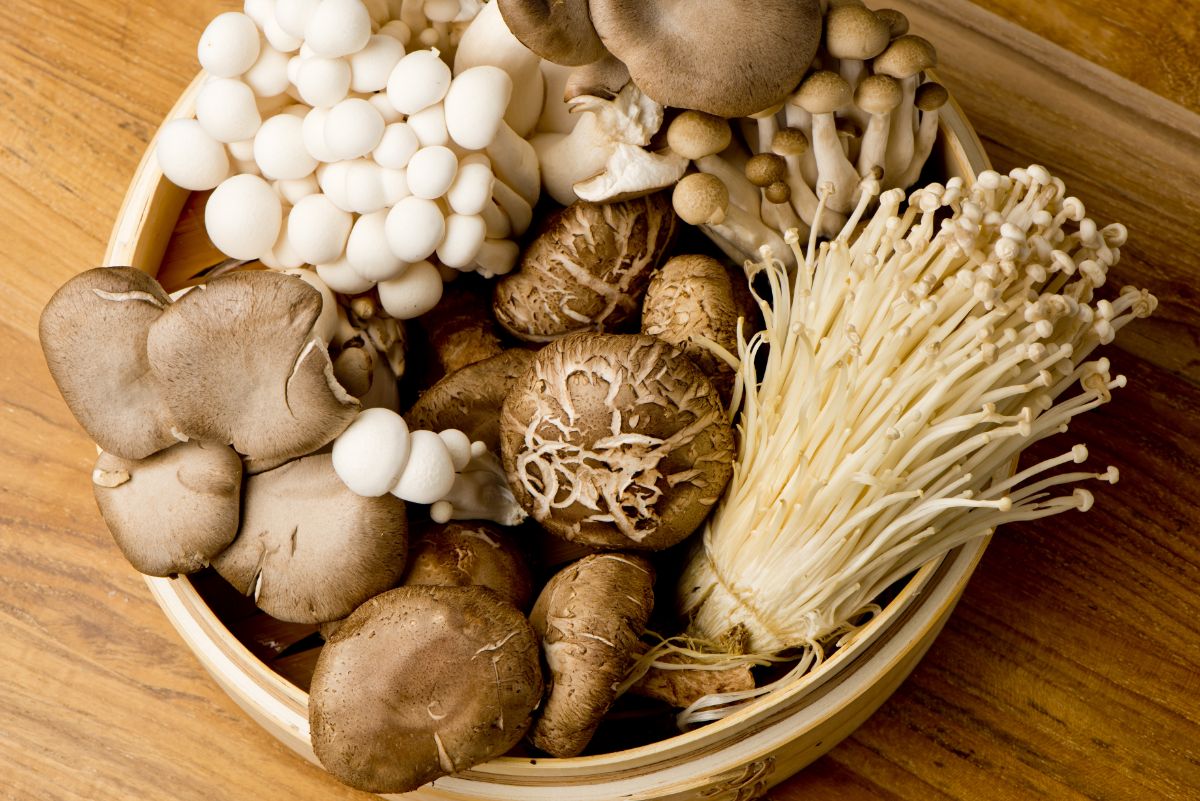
{"x": 832, "y": 165}
{"x": 742, "y": 193}
{"x": 903, "y": 125}
{"x": 498, "y": 226}
{"x": 782, "y": 217}
{"x": 926, "y": 136}
{"x": 480, "y": 492}
{"x": 496, "y": 257}
{"x": 515, "y": 207}
{"x": 487, "y": 40}
{"x": 874, "y": 150}
{"x": 516, "y": 163}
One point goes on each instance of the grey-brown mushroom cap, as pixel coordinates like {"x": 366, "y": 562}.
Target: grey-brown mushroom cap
{"x": 93, "y": 334}
{"x": 557, "y": 30}
{"x": 309, "y": 550}
{"x": 470, "y": 398}
{"x": 712, "y": 55}
{"x": 589, "y": 616}
{"x": 604, "y": 78}
{"x": 471, "y": 553}
{"x": 617, "y": 441}
{"x": 421, "y": 682}
{"x": 238, "y": 363}
{"x": 174, "y": 511}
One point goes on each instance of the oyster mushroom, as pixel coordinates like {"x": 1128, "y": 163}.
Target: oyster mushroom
{"x": 589, "y": 617}
{"x": 471, "y": 554}
{"x": 93, "y": 333}
{"x": 309, "y": 550}
{"x": 173, "y": 511}
{"x": 421, "y": 682}
{"x": 557, "y": 30}
{"x": 603, "y": 79}
{"x": 616, "y": 440}
{"x": 238, "y": 362}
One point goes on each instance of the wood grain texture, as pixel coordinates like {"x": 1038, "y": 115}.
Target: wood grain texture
{"x": 1071, "y": 668}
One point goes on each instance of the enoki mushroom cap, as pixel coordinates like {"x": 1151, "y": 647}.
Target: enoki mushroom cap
{"x": 855, "y": 32}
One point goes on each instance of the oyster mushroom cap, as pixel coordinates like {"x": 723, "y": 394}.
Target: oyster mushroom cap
{"x": 238, "y": 363}
{"x": 309, "y": 549}
{"x": 712, "y": 55}
{"x": 589, "y": 616}
{"x": 468, "y": 554}
{"x": 93, "y": 333}
{"x": 557, "y": 30}
{"x": 604, "y": 79}
{"x": 420, "y": 682}
{"x": 173, "y": 511}
{"x": 618, "y": 441}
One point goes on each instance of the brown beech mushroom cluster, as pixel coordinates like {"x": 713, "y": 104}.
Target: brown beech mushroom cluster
{"x": 616, "y": 440}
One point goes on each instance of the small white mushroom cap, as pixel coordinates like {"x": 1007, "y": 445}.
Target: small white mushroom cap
{"x": 418, "y": 81}
{"x": 398, "y": 30}
{"x": 341, "y": 278}
{"x": 259, "y": 11}
{"x": 367, "y": 249}
{"x": 318, "y": 229}
{"x": 326, "y": 326}
{"x": 269, "y": 75}
{"x": 429, "y": 125}
{"x": 278, "y": 38}
{"x": 293, "y": 15}
{"x": 323, "y": 82}
{"x": 395, "y": 185}
{"x": 279, "y": 149}
{"x": 353, "y": 128}
{"x": 190, "y": 157}
{"x": 371, "y": 67}
{"x": 431, "y": 171}
{"x": 229, "y": 45}
{"x": 429, "y": 473}
{"x": 243, "y": 217}
{"x": 364, "y": 186}
{"x": 385, "y": 108}
{"x": 442, "y": 10}
{"x": 292, "y": 192}
{"x": 472, "y": 187}
{"x": 314, "y": 135}
{"x": 459, "y": 446}
{"x": 475, "y": 106}
{"x": 338, "y": 28}
{"x": 465, "y": 235}
{"x": 226, "y": 110}
{"x": 282, "y": 256}
{"x": 397, "y": 146}
{"x": 370, "y": 455}
{"x": 412, "y": 294}
{"x": 415, "y": 227}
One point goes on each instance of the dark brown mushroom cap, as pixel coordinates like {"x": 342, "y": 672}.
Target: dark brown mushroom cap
{"x": 93, "y": 333}
{"x": 589, "y": 617}
{"x": 557, "y": 30}
{"x": 310, "y": 550}
{"x": 174, "y": 511}
{"x": 470, "y": 398}
{"x": 468, "y": 554}
{"x": 460, "y": 328}
{"x": 931, "y": 96}
{"x": 764, "y": 169}
{"x": 239, "y": 364}
{"x": 855, "y": 32}
{"x": 618, "y": 441}
{"x": 712, "y": 55}
{"x": 421, "y": 682}
{"x": 777, "y": 192}
{"x": 905, "y": 57}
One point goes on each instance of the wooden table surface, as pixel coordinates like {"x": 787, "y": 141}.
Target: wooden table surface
{"x": 1071, "y": 668}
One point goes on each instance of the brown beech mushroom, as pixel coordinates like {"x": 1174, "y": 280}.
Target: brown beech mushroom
{"x": 309, "y": 550}
{"x": 768, "y": 171}
{"x": 822, "y": 94}
{"x": 616, "y": 441}
{"x": 588, "y": 269}
{"x": 557, "y": 30}
{"x": 878, "y": 96}
{"x": 173, "y": 511}
{"x": 93, "y": 333}
{"x": 703, "y": 199}
{"x": 712, "y": 55}
{"x": 238, "y": 363}
{"x": 929, "y": 99}
{"x": 692, "y": 296}
{"x": 589, "y": 617}
{"x": 853, "y": 35}
{"x": 469, "y": 554}
{"x": 904, "y": 59}
{"x": 422, "y": 682}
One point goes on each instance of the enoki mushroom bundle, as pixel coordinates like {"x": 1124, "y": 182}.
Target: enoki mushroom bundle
{"x": 899, "y": 375}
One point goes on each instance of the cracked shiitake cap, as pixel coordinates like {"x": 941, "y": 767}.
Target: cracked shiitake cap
{"x": 173, "y": 511}
{"x": 421, "y": 682}
{"x": 309, "y": 549}
{"x": 470, "y": 553}
{"x": 589, "y": 616}
{"x": 238, "y": 363}
{"x": 93, "y": 333}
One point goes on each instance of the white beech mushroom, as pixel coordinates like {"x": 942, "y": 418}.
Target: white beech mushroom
{"x": 422, "y": 682}
{"x": 929, "y": 99}
{"x": 589, "y": 617}
{"x": 878, "y": 96}
{"x": 616, "y": 440}
{"x": 471, "y": 554}
{"x": 488, "y": 40}
{"x": 904, "y": 59}
{"x": 93, "y": 333}
{"x": 822, "y": 94}
{"x": 308, "y": 549}
{"x": 173, "y": 511}
{"x": 587, "y": 271}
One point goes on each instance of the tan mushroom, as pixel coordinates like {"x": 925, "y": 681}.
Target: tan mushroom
{"x": 768, "y": 171}
{"x": 822, "y": 94}
{"x": 93, "y": 333}
{"x": 853, "y": 35}
{"x": 603, "y": 79}
{"x": 174, "y": 511}
{"x": 703, "y": 199}
{"x": 929, "y": 99}
{"x": 469, "y": 554}
{"x": 589, "y": 617}
{"x": 309, "y": 550}
{"x": 878, "y": 96}
{"x": 460, "y": 329}
{"x": 422, "y": 682}
{"x": 904, "y": 59}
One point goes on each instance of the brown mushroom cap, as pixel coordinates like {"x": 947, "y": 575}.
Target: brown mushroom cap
{"x": 469, "y": 554}
{"x": 905, "y": 57}
{"x": 777, "y": 192}
{"x": 694, "y": 134}
{"x": 618, "y": 441}
{"x": 239, "y": 363}
{"x": 878, "y": 94}
{"x": 764, "y": 169}
{"x": 310, "y": 550}
{"x": 604, "y": 79}
{"x": 93, "y": 333}
{"x": 589, "y": 617}
{"x": 855, "y": 32}
{"x": 789, "y": 142}
{"x": 823, "y": 92}
{"x": 460, "y": 328}
{"x": 173, "y": 511}
{"x": 421, "y": 682}
{"x": 700, "y": 199}
{"x": 557, "y": 30}
{"x": 931, "y": 96}
{"x": 712, "y": 55}
{"x": 896, "y": 21}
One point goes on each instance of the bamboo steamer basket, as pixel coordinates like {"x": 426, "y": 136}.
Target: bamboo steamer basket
{"x": 735, "y": 759}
